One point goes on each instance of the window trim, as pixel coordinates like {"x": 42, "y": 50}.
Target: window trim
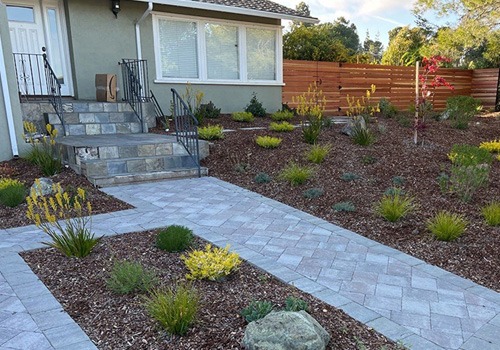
{"x": 202, "y": 51}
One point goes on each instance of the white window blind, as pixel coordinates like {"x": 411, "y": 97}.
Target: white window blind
{"x": 222, "y": 51}
{"x": 261, "y": 54}
{"x": 178, "y": 48}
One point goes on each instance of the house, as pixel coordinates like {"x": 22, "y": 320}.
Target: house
{"x": 227, "y": 49}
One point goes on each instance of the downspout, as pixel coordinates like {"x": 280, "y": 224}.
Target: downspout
{"x": 138, "y": 30}
{"x": 8, "y": 105}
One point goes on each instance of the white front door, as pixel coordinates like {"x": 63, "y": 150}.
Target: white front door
{"x": 36, "y": 27}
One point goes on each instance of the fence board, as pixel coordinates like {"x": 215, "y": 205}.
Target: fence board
{"x": 396, "y": 83}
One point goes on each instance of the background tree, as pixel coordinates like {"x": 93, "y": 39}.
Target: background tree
{"x": 304, "y": 10}
{"x": 404, "y": 46}
{"x": 373, "y": 48}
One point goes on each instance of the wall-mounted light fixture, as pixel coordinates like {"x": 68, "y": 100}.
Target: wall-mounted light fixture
{"x": 115, "y": 7}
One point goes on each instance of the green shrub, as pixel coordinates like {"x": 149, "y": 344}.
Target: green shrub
{"x": 443, "y": 181}
{"x": 174, "y": 238}
{"x": 368, "y": 159}
{"x": 466, "y": 155}
{"x": 281, "y": 127}
{"x": 245, "y": 117}
{"x": 12, "y": 192}
{"x": 312, "y": 129}
{"x": 344, "y": 206}
{"x": 387, "y": 109}
{"x": 447, "y": 226}
{"x": 461, "y": 110}
{"x": 208, "y": 110}
{"x": 174, "y": 308}
{"x": 398, "y": 181}
{"x": 466, "y": 180}
{"x": 404, "y": 120}
{"x": 212, "y": 263}
{"x": 241, "y": 167}
{"x": 317, "y": 153}
{"x": 296, "y": 304}
{"x": 349, "y": 177}
{"x": 313, "y": 193}
{"x": 362, "y": 136}
{"x": 44, "y": 152}
{"x": 256, "y": 310}
{"x": 491, "y": 213}
{"x": 268, "y": 141}
{"x": 255, "y": 107}
{"x": 211, "y": 132}
{"x": 393, "y": 207}
{"x": 282, "y": 115}
{"x": 296, "y": 174}
{"x": 262, "y": 178}
{"x": 128, "y": 277}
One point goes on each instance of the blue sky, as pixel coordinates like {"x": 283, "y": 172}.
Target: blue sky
{"x": 375, "y": 15}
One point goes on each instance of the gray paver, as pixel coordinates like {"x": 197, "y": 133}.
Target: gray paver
{"x": 396, "y": 294}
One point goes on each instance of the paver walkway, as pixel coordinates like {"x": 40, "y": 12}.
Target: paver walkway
{"x": 398, "y": 295}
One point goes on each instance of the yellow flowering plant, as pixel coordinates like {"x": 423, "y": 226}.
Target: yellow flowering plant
{"x": 66, "y": 219}
{"x": 363, "y": 107}
{"x": 44, "y": 152}
{"x": 491, "y": 146}
{"x": 311, "y": 104}
{"x": 212, "y": 263}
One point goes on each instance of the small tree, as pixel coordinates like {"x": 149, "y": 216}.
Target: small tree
{"x": 424, "y": 99}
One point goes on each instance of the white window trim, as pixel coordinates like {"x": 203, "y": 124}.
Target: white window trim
{"x": 202, "y": 51}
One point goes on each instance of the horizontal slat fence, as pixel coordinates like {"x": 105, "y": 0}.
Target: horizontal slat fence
{"x": 396, "y": 83}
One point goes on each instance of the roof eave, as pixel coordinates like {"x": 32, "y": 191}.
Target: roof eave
{"x": 232, "y": 9}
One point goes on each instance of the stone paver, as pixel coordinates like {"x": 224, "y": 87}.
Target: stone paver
{"x": 400, "y": 296}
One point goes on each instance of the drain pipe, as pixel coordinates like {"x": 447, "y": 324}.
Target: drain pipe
{"x": 8, "y": 105}
{"x": 138, "y": 30}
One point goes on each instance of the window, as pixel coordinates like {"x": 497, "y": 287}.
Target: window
{"x": 218, "y": 52}
{"x": 20, "y": 14}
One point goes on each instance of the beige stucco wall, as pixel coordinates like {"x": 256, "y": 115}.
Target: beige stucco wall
{"x": 98, "y": 41}
{"x": 5, "y": 144}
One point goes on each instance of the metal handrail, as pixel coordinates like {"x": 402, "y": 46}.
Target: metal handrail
{"x": 135, "y": 85}
{"x": 186, "y": 128}
{"x": 54, "y": 89}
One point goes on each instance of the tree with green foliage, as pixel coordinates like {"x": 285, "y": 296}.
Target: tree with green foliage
{"x": 404, "y": 46}
{"x": 373, "y": 48}
{"x": 473, "y": 40}
{"x": 304, "y": 10}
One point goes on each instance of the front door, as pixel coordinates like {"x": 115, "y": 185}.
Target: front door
{"x": 36, "y": 27}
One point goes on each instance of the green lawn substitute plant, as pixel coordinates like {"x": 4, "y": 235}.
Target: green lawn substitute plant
{"x": 461, "y": 110}
{"x": 262, "y": 178}
{"x": 282, "y": 116}
{"x": 296, "y": 304}
{"x": 313, "y": 193}
{"x": 296, "y": 174}
{"x": 349, "y": 177}
{"x": 268, "y": 141}
{"x": 174, "y": 308}
{"x": 244, "y": 117}
{"x": 256, "y": 310}
{"x": 447, "y": 226}
{"x": 74, "y": 237}
{"x": 491, "y": 213}
{"x": 129, "y": 276}
{"x": 212, "y": 263}
{"x": 317, "y": 153}
{"x": 211, "y": 132}
{"x": 174, "y": 238}
{"x": 362, "y": 135}
{"x": 12, "y": 192}
{"x": 394, "y": 207}
{"x": 44, "y": 151}
{"x": 281, "y": 127}
{"x": 255, "y": 107}
{"x": 344, "y": 206}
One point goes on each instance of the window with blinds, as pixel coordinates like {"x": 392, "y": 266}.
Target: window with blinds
{"x": 210, "y": 51}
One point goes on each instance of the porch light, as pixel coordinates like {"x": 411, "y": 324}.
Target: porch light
{"x": 115, "y": 7}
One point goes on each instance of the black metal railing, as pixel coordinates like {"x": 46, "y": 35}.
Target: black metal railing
{"x": 160, "y": 116}
{"x": 186, "y": 128}
{"x": 36, "y": 80}
{"x": 135, "y": 85}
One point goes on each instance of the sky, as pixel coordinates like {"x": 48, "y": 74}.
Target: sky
{"x": 377, "y": 16}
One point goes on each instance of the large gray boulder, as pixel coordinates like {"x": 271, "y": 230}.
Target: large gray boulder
{"x": 286, "y": 330}
{"x": 355, "y": 122}
{"x": 43, "y": 187}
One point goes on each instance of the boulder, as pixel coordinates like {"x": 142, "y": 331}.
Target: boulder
{"x": 286, "y": 330}
{"x": 43, "y": 186}
{"x": 351, "y": 124}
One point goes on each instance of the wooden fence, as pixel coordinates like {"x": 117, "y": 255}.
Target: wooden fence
{"x": 396, "y": 83}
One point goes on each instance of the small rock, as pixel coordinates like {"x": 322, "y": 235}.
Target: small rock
{"x": 43, "y": 185}
{"x": 286, "y": 330}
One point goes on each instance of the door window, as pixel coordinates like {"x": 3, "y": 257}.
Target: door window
{"x": 20, "y": 14}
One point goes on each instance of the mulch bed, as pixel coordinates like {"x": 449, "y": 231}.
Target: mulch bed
{"x": 25, "y": 172}
{"x": 120, "y": 321}
{"x": 475, "y": 255}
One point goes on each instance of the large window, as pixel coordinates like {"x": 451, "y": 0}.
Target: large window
{"x": 208, "y": 51}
